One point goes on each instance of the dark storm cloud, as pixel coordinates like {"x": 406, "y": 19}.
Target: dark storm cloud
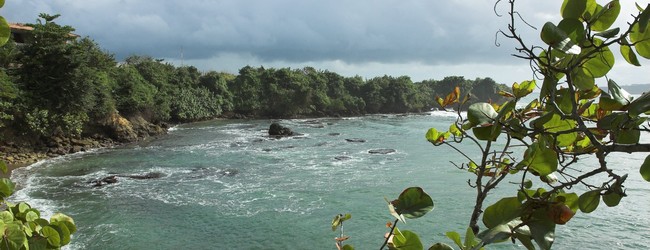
{"x": 430, "y": 32}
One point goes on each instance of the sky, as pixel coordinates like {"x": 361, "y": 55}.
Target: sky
{"x": 423, "y": 39}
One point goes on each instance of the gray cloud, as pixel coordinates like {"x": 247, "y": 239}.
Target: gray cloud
{"x": 392, "y": 32}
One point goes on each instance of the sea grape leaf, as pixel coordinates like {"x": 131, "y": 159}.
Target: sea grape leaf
{"x": 498, "y": 233}
{"x": 69, "y": 222}
{"x": 606, "y": 16}
{"x": 413, "y": 203}
{"x": 5, "y": 31}
{"x": 598, "y": 64}
{"x": 639, "y": 105}
{"x": 64, "y": 232}
{"x": 644, "y": 17}
{"x": 481, "y": 113}
{"x": 13, "y": 236}
{"x": 641, "y": 39}
{"x": 6, "y": 187}
{"x": 6, "y": 217}
{"x": 541, "y": 159}
{"x": 645, "y": 169}
{"x": 3, "y": 167}
{"x": 455, "y": 237}
{"x": 628, "y": 54}
{"x": 573, "y": 28}
{"x": 556, "y": 38}
{"x": 573, "y": 8}
{"x": 627, "y": 136}
{"x": 487, "y": 133}
{"x": 347, "y": 247}
{"x": 502, "y": 212}
{"x": 609, "y": 33}
{"x": 557, "y": 124}
{"x": 612, "y": 199}
{"x": 408, "y": 241}
{"x": 582, "y": 80}
{"x": 523, "y": 89}
{"x": 441, "y": 246}
{"x": 52, "y": 235}
{"x": 588, "y": 202}
{"x": 542, "y": 229}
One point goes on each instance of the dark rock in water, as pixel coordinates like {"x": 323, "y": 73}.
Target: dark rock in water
{"x": 321, "y": 144}
{"x": 258, "y": 140}
{"x": 334, "y": 134}
{"x": 342, "y": 158}
{"x": 152, "y": 175}
{"x": 228, "y": 172}
{"x": 207, "y": 172}
{"x": 381, "y": 151}
{"x": 103, "y": 181}
{"x": 267, "y": 150}
{"x": 355, "y": 140}
{"x": 278, "y": 130}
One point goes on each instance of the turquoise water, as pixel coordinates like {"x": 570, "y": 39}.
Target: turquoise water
{"x": 226, "y": 185}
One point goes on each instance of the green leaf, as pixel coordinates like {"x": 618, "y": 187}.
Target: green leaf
{"x": 347, "y": 247}
{"x": 13, "y": 236}
{"x": 571, "y": 200}
{"x": 59, "y": 217}
{"x": 470, "y": 238}
{"x": 606, "y": 17}
{"x": 6, "y": 187}
{"x": 3, "y": 167}
{"x": 627, "y": 136}
{"x": 64, "y": 232}
{"x": 588, "y": 202}
{"x": 556, "y": 38}
{"x": 573, "y": 8}
{"x": 6, "y": 217}
{"x": 498, "y": 233}
{"x": 408, "y": 241}
{"x": 487, "y": 133}
{"x": 644, "y": 17}
{"x": 52, "y": 235}
{"x": 5, "y": 31}
{"x": 432, "y": 135}
{"x": 523, "y": 89}
{"x": 557, "y": 124}
{"x": 598, "y": 64}
{"x": 573, "y": 28}
{"x": 2, "y": 3}
{"x": 441, "y": 246}
{"x": 612, "y": 199}
{"x": 413, "y": 203}
{"x": 628, "y": 53}
{"x": 502, "y": 212}
{"x": 645, "y": 169}
{"x": 641, "y": 39}
{"x": 542, "y": 229}
{"x": 640, "y": 105}
{"x": 541, "y": 159}
{"x": 455, "y": 237}
{"x": 481, "y": 113}
{"x": 582, "y": 80}
{"x": 453, "y": 129}
{"x": 609, "y": 33}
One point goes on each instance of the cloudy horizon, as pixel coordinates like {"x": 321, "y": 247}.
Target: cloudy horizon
{"x": 420, "y": 39}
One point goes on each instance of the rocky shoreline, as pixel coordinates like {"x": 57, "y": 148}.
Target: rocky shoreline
{"x": 115, "y": 131}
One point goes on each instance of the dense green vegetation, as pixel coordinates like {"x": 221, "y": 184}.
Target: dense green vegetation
{"x": 58, "y": 84}
{"x": 21, "y": 226}
{"x": 541, "y": 148}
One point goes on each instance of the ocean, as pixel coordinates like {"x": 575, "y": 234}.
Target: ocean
{"x": 224, "y": 184}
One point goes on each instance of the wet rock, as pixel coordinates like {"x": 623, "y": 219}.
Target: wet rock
{"x": 381, "y": 151}
{"x": 278, "y": 130}
{"x": 103, "y": 181}
{"x": 342, "y": 158}
{"x": 334, "y": 134}
{"x": 355, "y": 140}
{"x": 152, "y": 175}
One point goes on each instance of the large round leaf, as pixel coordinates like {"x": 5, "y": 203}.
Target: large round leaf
{"x": 588, "y": 202}
{"x": 52, "y": 235}
{"x": 573, "y": 8}
{"x": 441, "y": 246}
{"x": 5, "y": 31}
{"x": 645, "y": 169}
{"x": 69, "y": 222}
{"x": 413, "y": 203}
{"x": 641, "y": 40}
{"x": 606, "y": 16}
{"x": 573, "y": 28}
{"x": 599, "y": 63}
{"x": 502, "y": 212}
{"x": 6, "y": 187}
{"x": 481, "y": 113}
{"x": 13, "y": 236}
{"x": 558, "y": 39}
{"x": 407, "y": 240}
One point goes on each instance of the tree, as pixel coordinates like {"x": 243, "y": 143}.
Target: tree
{"x": 571, "y": 120}
{"x": 22, "y": 225}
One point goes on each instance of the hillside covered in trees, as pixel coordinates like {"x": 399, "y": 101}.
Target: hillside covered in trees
{"x": 55, "y": 87}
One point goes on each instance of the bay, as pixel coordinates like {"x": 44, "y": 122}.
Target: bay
{"x": 226, "y": 185}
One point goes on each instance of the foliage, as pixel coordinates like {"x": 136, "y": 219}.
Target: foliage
{"x": 21, "y": 225}
{"x": 571, "y": 119}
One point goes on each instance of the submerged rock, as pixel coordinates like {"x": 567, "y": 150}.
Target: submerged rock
{"x": 342, "y": 158}
{"x": 355, "y": 140}
{"x": 112, "y": 179}
{"x": 381, "y": 151}
{"x": 103, "y": 181}
{"x": 334, "y": 134}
